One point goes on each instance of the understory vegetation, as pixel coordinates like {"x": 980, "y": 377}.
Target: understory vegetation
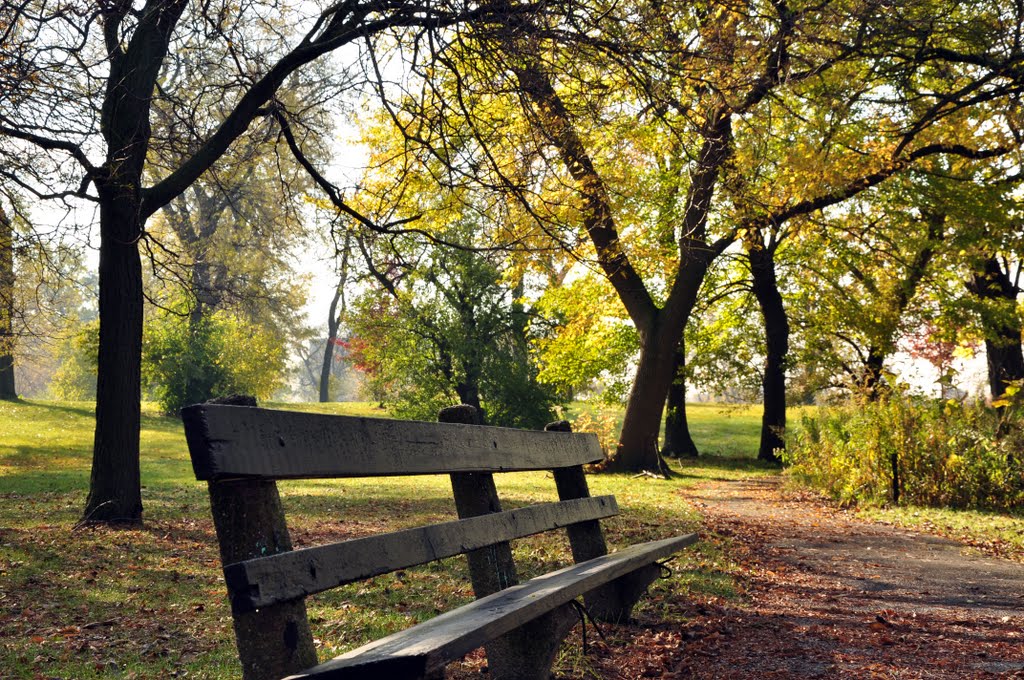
{"x": 906, "y": 450}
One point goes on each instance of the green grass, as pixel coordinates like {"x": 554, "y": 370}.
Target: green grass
{"x": 150, "y": 602}
{"x": 993, "y": 532}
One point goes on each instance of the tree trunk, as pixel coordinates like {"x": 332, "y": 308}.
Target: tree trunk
{"x": 638, "y": 443}
{"x": 469, "y": 393}
{"x": 115, "y": 484}
{"x": 1002, "y": 326}
{"x": 637, "y": 449}
{"x": 334, "y": 322}
{"x": 871, "y": 378}
{"x": 115, "y": 494}
{"x": 332, "y": 336}
{"x": 678, "y": 442}
{"x": 776, "y": 330}
{"x": 7, "y": 386}
{"x": 1005, "y": 359}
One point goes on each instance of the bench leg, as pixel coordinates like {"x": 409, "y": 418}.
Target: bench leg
{"x": 528, "y": 652}
{"x": 613, "y": 603}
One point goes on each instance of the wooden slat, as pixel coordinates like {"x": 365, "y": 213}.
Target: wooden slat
{"x": 232, "y": 441}
{"x": 430, "y": 645}
{"x": 269, "y": 580}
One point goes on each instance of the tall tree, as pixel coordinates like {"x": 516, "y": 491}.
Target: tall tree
{"x": 85, "y": 108}
{"x": 447, "y": 323}
{"x": 7, "y": 386}
{"x": 660, "y": 71}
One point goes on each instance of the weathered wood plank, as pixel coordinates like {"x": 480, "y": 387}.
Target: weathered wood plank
{"x": 259, "y": 582}
{"x": 429, "y": 645}
{"x": 231, "y": 441}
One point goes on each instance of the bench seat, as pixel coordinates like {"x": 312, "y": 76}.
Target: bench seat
{"x": 425, "y": 648}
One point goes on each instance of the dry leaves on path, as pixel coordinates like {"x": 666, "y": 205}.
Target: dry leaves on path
{"x": 831, "y": 596}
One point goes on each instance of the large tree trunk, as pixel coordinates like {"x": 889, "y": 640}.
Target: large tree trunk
{"x": 115, "y": 494}
{"x": 678, "y": 442}
{"x": 661, "y": 330}
{"x": 115, "y": 483}
{"x": 7, "y": 386}
{"x": 638, "y": 443}
{"x": 776, "y": 329}
{"x": 1002, "y": 326}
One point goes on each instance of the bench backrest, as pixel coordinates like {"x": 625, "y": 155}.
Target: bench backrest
{"x": 240, "y": 451}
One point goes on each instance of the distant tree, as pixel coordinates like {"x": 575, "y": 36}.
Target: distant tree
{"x": 185, "y": 361}
{"x": 335, "y": 315}
{"x": 7, "y": 385}
{"x": 445, "y": 325}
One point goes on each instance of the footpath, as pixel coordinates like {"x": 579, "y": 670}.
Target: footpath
{"x": 830, "y": 596}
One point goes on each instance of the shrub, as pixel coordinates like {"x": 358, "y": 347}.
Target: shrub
{"x": 913, "y": 450}
{"x": 187, "y": 363}
{"x": 75, "y": 377}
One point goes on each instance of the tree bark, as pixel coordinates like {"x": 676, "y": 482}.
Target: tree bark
{"x": 678, "y": 442}
{"x": 115, "y": 494}
{"x": 1003, "y": 328}
{"x": 115, "y": 483}
{"x": 638, "y": 442}
{"x": 871, "y": 376}
{"x": 7, "y": 386}
{"x": 776, "y": 330}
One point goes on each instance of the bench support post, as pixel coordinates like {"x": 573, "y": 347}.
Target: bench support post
{"x": 274, "y": 641}
{"x": 527, "y": 652}
{"x": 612, "y": 603}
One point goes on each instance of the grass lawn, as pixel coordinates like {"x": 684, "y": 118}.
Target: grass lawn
{"x": 150, "y": 602}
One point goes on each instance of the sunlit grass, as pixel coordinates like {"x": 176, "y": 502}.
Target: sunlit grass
{"x": 995, "y": 532}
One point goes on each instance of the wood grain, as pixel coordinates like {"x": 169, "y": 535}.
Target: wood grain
{"x": 430, "y": 645}
{"x": 233, "y": 441}
{"x": 286, "y": 576}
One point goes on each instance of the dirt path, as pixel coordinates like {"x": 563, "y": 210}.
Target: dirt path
{"x": 832, "y": 596}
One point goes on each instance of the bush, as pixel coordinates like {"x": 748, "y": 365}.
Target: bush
{"x": 75, "y": 377}
{"x": 187, "y": 363}
{"x": 908, "y": 450}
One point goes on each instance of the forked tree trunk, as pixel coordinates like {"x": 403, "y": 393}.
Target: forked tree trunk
{"x": 776, "y": 329}
{"x": 678, "y": 442}
{"x": 7, "y": 386}
{"x": 638, "y": 443}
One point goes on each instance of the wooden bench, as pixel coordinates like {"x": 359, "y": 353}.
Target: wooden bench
{"x": 240, "y": 451}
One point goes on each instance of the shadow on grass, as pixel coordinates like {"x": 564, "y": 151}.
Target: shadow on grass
{"x": 704, "y": 466}
{"x": 83, "y": 409}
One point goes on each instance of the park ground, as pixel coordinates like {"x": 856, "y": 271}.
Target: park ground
{"x": 783, "y": 584}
